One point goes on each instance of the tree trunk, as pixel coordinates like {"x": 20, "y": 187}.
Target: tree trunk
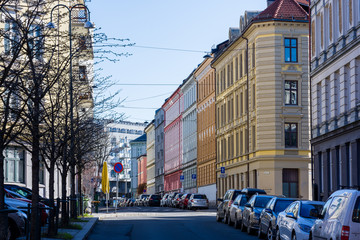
{"x": 73, "y": 213}
{"x": 35, "y": 226}
{"x": 52, "y": 228}
{"x": 81, "y": 207}
{"x": 64, "y": 213}
{"x": 3, "y": 216}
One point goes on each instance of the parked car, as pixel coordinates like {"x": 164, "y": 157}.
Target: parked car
{"x": 154, "y": 200}
{"x": 170, "y": 198}
{"x": 184, "y": 200}
{"x": 163, "y": 200}
{"x": 340, "y": 217}
{"x": 222, "y": 211}
{"x": 142, "y": 198}
{"x": 14, "y": 196}
{"x": 25, "y": 192}
{"x": 236, "y": 210}
{"x": 268, "y": 216}
{"x": 297, "y": 219}
{"x": 251, "y": 191}
{"x": 197, "y": 201}
{"x": 17, "y": 222}
{"x": 252, "y": 210}
{"x": 176, "y": 200}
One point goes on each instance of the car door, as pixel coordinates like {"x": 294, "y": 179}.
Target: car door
{"x": 283, "y": 220}
{"x": 265, "y": 217}
{"x": 355, "y": 220}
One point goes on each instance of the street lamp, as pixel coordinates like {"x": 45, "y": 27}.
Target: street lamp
{"x": 88, "y": 25}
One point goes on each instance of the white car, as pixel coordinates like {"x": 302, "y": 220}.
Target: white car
{"x": 340, "y": 217}
{"x": 295, "y": 222}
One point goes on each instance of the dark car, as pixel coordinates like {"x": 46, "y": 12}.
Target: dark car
{"x": 222, "y": 211}
{"x": 237, "y": 209}
{"x": 252, "y": 211}
{"x": 184, "y": 200}
{"x": 268, "y": 216}
{"x": 251, "y": 191}
{"x": 154, "y": 200}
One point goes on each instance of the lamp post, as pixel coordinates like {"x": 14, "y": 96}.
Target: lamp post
{"x": 88, "y": 25}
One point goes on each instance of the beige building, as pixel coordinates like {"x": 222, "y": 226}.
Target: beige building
{"x": 150, "y": 153}
{"x": 262, "y": 103}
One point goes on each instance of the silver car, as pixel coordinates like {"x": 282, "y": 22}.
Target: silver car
{"x": 197, "y": 201}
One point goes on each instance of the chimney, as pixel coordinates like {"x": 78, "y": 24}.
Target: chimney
{"x": 269, "y": 2}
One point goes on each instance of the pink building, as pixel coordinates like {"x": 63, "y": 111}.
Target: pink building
{"x": 142, "y": 160}
{"x": 173, "y": 108}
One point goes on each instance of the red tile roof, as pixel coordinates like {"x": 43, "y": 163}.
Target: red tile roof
{"x": 304, "y": 2}
{"x": 283, "y": 9}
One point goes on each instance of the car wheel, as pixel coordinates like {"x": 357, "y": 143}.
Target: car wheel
{"x": 225, "y": 217}
{"x": 12, "y": 234}
{"x": 260, "y": 234}
{"x": 293, "y": 236}
{"x": 277, "y": 235}
{"x": 218, "y": 218}
{"x": 269, "y": 233}
{"x": 229, "y": 222}
{"x": 249, "y": 230}
{"x": 236, "y": 223}
{"x": 242, "y": 226}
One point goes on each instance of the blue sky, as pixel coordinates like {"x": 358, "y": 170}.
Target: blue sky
{"x": 150, "y": 75}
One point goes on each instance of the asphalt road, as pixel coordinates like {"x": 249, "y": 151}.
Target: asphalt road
{"x": 154, "y": 223}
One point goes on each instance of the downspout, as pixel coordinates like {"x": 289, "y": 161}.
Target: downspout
{"x": 311, "y": 121}
{"x": 248, "y": 110}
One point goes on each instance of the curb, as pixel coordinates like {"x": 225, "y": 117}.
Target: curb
{"x": 84, "y": 233}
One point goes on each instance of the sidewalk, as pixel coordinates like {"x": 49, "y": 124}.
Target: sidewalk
{"x": 78, "y": 234}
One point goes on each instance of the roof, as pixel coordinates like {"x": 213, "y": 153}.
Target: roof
{"x": 283, "y": 9}
{"x": 142, "y": 138}
{"x": 303, "y": 2}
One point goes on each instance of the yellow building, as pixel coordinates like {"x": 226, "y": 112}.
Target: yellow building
{"x": 262, "y": 103}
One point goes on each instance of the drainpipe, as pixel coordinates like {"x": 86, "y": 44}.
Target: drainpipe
{"x": 248, "y": 110}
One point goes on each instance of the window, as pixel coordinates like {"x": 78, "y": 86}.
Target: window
{"x": 356, "y": 212}
{"x": 14, "y": 165}
{"x": 291, "y": 92}
{"x": 84, "y": 42}
{"x": 82, "y": 73}
{"x": 11, "y": 37}
{"x": 291, "y": 182}
{"x": 290, "y": 135}
{"x": 291, "y": 50}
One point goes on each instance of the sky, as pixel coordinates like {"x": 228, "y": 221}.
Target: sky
{"x": 171, "y": 37}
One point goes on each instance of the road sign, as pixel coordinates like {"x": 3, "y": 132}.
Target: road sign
{"x": 223, "y": 175}
{"x": 118, "y": 167}
{"x": 182, "y": 178}
{"x": 144, "y": 191}
{"x": 222, "y": 169}
{"x": 193, "y": 176}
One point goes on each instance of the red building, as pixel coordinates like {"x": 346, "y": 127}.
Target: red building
{"x": 173, "y": 108}
{"x": 142, "y": 160}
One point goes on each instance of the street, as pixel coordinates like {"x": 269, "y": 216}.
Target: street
{"x": 140, "y": 223}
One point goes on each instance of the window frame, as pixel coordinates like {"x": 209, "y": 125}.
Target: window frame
{"x": 291, "y": 90}
{"x": 288, "y": 135}
{"x": 290, "y": 47}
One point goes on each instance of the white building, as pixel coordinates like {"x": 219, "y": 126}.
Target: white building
{"x": 120, "y": 135}
{"x": 335, "y": 93}
{"x": 138, "y": 148}
{"x": 189, "y": 135}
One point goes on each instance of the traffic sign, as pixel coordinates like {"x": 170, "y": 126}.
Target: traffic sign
{"x": 118, "y": 167}
{"x": 193, "y": 176}
{"x": 222, "y": 169}
{"x": 182, "y": 178}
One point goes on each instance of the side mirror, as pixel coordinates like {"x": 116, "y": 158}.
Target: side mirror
{"x": 220, "y": 199}
{"x": 290, "y": 215}
{"x": 247, "y": 205}
{"x": 268, "y": 210}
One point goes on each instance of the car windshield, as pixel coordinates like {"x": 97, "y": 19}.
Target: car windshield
{"x": 243, "y": 200}
{"x": 281, "y": 205}
{"x": 236, "y": 193}
{"x": 261, "y": 202}
{"x": 156, "y": 197}
{"x": 306, "y": 208}
{"x": 199, "y": 196}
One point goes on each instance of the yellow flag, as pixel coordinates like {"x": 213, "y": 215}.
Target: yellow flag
{"x": 105, "y": 186}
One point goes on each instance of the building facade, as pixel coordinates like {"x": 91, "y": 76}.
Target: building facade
{"x": 150, "y": 155}
{"x": 142, "y": 172}
{"x": 120, "y": 134}
{"x": 335, "y": 93}
{"x": 206, "y": 152}
{"x": 173, "y": 108}
{"x": 262, "y": 103}
{"x": 189, "y": 135}
{"x": 138, "y": 148}
{"x": 159, "y": 151}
